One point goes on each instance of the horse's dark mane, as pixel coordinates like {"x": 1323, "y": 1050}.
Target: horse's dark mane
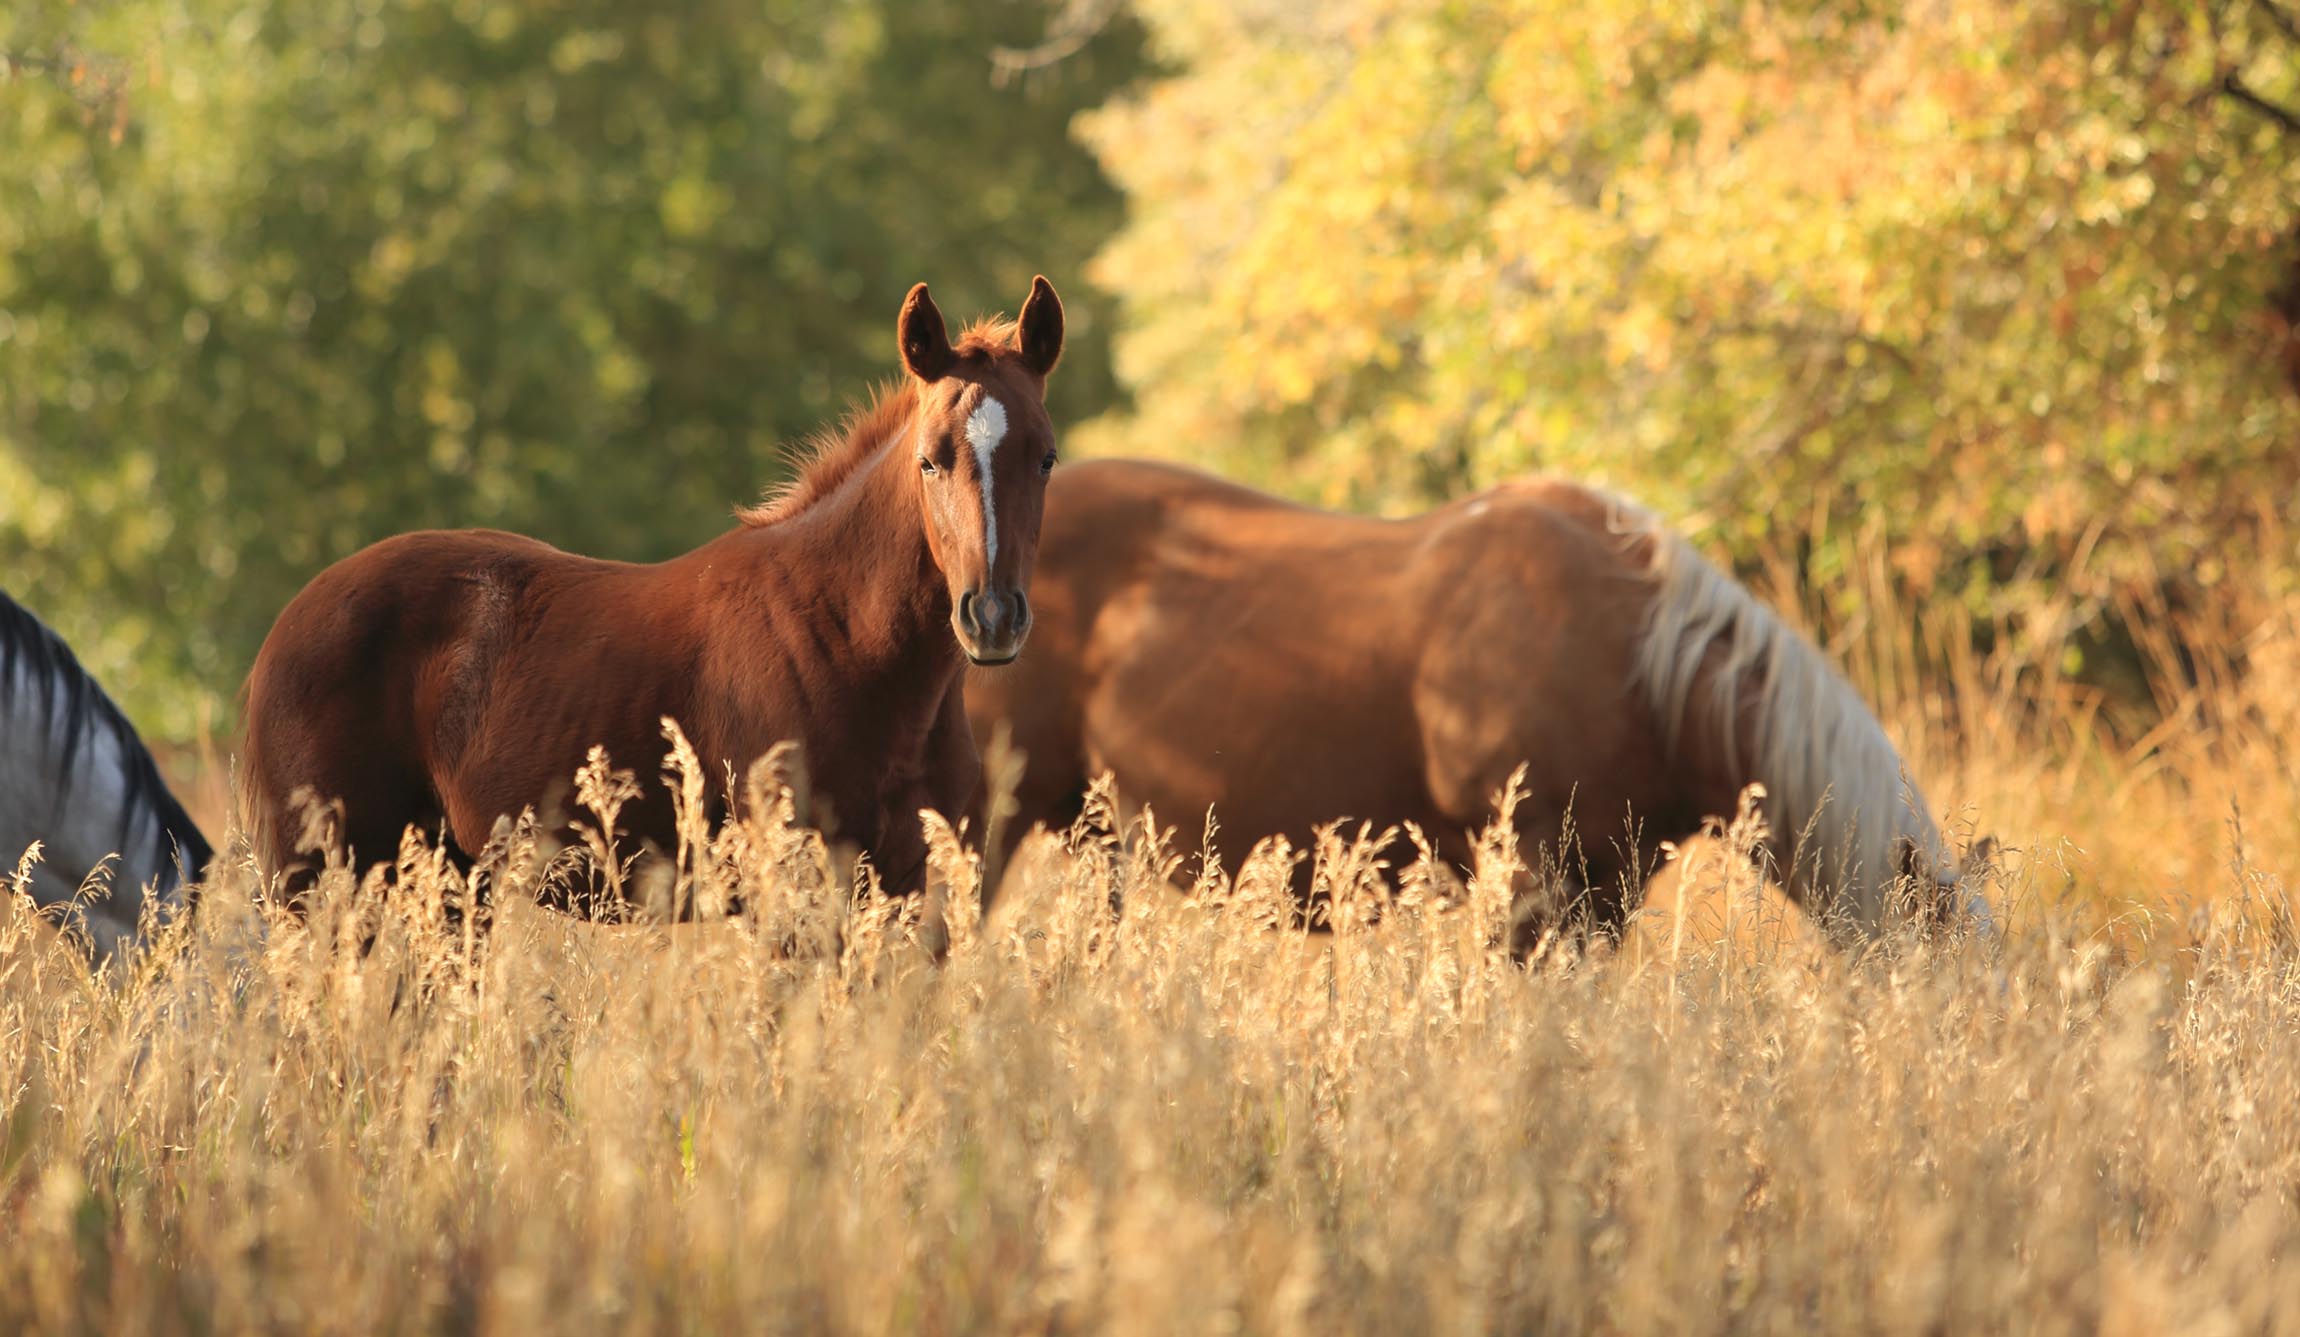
{"x": 35, "y": 658}
{"x": 832, "y": 456}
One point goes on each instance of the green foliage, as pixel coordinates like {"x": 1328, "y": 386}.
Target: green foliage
{"x": 2011, "y": 287}
{"x": 1994, "y": 283}
{"x": 280, "y": 278}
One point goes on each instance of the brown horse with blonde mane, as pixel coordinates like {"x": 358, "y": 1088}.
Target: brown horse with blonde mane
{"x": 452, "y": 678}
{"x": 1217, "y": 649}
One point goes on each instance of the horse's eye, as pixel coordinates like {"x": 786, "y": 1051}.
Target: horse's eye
{"x": 926, "y": 466}
{"x": 1046, "y": 466}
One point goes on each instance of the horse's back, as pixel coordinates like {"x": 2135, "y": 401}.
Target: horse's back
{"x": 354, "y": 640}
{"x": 1215, "y": 646}
{"x": 1170, "y": 606}
{"x": 363, "y": 668}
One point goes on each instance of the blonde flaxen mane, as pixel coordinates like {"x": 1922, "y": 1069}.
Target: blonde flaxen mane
{"x": 1838, "y": 792}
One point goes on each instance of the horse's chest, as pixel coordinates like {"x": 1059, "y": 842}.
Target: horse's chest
{"x": 862, "y": 762}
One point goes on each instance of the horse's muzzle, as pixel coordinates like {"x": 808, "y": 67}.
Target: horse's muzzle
{"x": 992, "y": 624}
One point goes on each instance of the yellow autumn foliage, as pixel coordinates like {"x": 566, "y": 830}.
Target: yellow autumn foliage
{"x": 1996, "y": 284}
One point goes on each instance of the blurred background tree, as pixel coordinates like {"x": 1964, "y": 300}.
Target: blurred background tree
{"x": 281, "y": 277}
{"x": 2009, "y": 290}
{"x": 2007, "y": 287}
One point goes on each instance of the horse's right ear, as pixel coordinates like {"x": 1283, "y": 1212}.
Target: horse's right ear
{"x": 924, "y": 340}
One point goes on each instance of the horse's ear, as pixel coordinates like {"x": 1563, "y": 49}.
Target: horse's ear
{"x": 1040, "y": 330}
{"x": 1913, "y": 862}
{"x": 924, "y": 340}
{"x": 1979, "y": 860}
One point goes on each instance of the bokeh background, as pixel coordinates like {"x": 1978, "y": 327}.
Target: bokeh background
{"x": 1997, "y": 298}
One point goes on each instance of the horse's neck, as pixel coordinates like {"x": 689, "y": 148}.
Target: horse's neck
{"x": 82, "y": 813}
{"x": 867, "y": 543}
{"x": 857, "y": 559}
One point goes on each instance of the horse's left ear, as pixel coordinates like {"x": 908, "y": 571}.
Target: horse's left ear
{"x": 1040, "y": 330}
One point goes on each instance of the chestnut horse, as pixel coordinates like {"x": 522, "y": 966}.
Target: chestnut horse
{"x": 1219, "y": 649}
{"x": 456, "y": 677}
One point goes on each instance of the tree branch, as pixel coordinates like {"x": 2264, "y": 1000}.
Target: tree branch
{"x": 19, "y": 62}
{"x": 2233, "y": 85}
{"x": 2283, "y": 22}
{"x": 1080, "y": 22}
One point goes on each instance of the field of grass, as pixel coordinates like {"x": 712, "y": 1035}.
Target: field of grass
{"x": 1183, "y": 1120}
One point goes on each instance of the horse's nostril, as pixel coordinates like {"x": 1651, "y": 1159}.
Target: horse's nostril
{"x": 966, "y": 612}
{"x": 1021, "y": 609}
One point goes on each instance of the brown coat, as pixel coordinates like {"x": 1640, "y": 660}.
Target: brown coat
{"x": 446, "y": 679}
{"x": 1217, "y": 649}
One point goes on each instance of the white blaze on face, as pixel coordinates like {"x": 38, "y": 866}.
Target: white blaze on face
{"x": 985, "y": 428}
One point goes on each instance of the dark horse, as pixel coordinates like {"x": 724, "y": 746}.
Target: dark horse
{"x": 75, "y": 777}
{"x": 1218, "y": 649}
{"x": 458, "y": 677}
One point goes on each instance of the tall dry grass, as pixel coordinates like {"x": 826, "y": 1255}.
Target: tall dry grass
{"x": 1179, "y": 1118}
